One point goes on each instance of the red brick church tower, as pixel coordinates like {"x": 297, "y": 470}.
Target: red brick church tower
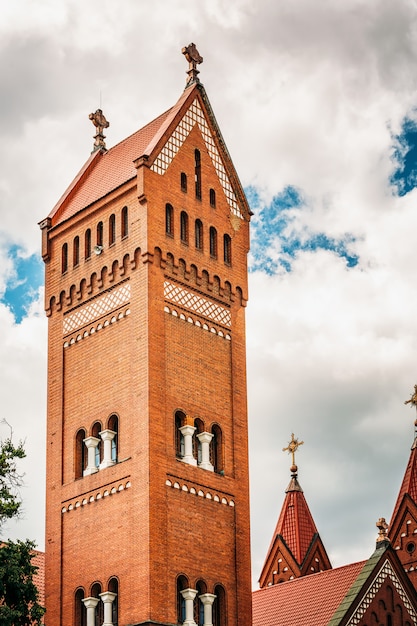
{"x": 147, "y": 462}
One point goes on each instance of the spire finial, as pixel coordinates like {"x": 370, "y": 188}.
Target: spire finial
{"x": 193, "y": 57}
{"x": 383, "y": 530}
{"x": 293, "y": 446}
{"x": 100, "y": 123}
{"x": 413, "y": 399}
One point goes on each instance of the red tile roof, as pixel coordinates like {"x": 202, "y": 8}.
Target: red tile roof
{"x": 409, "y": 484}
{"x": 39, "y": 579}
{"x": 310, "y": 600}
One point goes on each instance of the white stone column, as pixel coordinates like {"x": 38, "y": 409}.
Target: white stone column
{"x": 188, "y": 432}
{"x": 207, "y": 599}
{"x": 205, "y": 439}
{"x": 91, "y": 443}
{"x": 108, "y": 598}
{"x": 107, "y": 437}
{"x": 90, "y": 604}
{"x": 188, "y": 595}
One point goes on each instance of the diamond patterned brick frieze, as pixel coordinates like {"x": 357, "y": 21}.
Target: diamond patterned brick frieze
{"x": 192, "y": 301}
{"x": 95, "y": 309}
{"x": 193, "y": 116}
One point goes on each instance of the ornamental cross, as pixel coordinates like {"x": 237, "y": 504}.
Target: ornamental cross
{"x": 413, "y": 399}
{"x": 383, "y": 529}
{"x": 293, "y": 445}
{"x": 100, "y": 123}
{"x": 193, "y": 57}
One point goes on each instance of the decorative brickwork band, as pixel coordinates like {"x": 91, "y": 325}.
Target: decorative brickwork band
{"x": 193, "y": 116}
{"x": 98, "y": 307}
{"x": 189, "y": 300}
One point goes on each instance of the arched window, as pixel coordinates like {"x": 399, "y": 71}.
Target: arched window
{"x": 114, "y": 588}
{"x": 76, "y": 251}
{"x": 112, "y": 229}
{"x": 212, "y": 198}
{"x": 216, "y": 449}
{"x": 169, "y": 219}
{"x": 80, "y": 612}
{"x": 219, "y": 606}
{"x": 99, "y": 241}
{"x": 113, "y": 425}
{"x": 99, "y": 614}
{"x": 64, "y": 258}
{"x": 199, "y": 234}
{"x": 213, "y": 242}
{"x": 87, "y": 244}
{"x": 184, "y": 227}
{"x": 80, "y": 456}
{"x": 95, "y": 431}
{"x": 199, "y": 428}
{"x": 227, "y": 249}
{"x": 197, "y": 159}
{"x": 125, "y": 223}
{"x": 182, "y": 583}
{"x": 183, "y": 182}
{"x": 179, "y": 438}
{"x": 201, "y": 588}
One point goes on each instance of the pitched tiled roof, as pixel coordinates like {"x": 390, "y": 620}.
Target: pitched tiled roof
{"x": 409, "y": 484}
{"x": 39, "y": 579}
{"x": 308, "y": 600}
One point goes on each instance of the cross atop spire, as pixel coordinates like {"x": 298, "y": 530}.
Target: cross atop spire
{"x": 292, "y": 447}
{"x": 100, "y": 123}
{"x": 193, "y": 57}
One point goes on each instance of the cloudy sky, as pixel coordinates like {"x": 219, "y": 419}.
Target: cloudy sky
{"x": 317, "y": 102}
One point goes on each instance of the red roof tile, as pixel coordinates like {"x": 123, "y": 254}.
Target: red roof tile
{"x": 409, "y": 484}
{"x": 39, "y": 579}
{"x": 308, "y": 600}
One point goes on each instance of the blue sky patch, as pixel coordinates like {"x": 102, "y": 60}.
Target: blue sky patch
{"x": 22, "y": 288}
{"x": 404, "y": 179}
{"x": 275, "y": 245}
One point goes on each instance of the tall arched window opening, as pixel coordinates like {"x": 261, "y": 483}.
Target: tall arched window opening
{"x": 80, "y": 457}
{"x": 99, "y": 241}
{"x": 198, "y": 605}
{"x": 114, "y": 588}
{"x": 212, "y": 198}
{"x": 99, "y": 611}
{"x": 125, "y": 224}
{"x": 199, "y": 234}
{"x": 213, "y": 242}
{"x": 184, "y": 227}
{"x": 112, "y": 229}
{"x": 76, "y": 251}
{"x": 169, "y": 219}
{"x": 182, "y": 583}
{"x": 197, "y": 159}
{"x": 227, "y": 249}
{"x": 219, "y": 606}
{"x": 114, "y": 426}
{"x": 183, "y": 182}
{"x": 199, "y": 428}
{"x": 216, "y": 449}
{"x": 179, "y": 439}
{"x": 64, "y": 258}
{"x": 87, "y": 244}
{"x": 95, "y": 431}
{"x": 80, "y": 613}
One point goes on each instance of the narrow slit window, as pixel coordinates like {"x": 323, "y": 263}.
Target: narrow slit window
{"x": 64, "y": 258}
{"x": 87, "y": 244}
{"x": 76, "y": 251}
{"x": 199, "y": 234}
{"x": 227, "y": 249}
{"x": 99, "y": 234}
{"x": 183, "y": 182}
{"x": 184, "y": 227}
{"x": 197, "y": 158}
{"x": 125, "y": 225}
{"x": 213, "y": 242}
{"x": 112, "y": 229}
{"x": 169, "y": 220}
{"x": 212, "y": 198}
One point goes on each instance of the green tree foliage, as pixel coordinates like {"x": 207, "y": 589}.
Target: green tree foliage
{"x": 18, "y": 594}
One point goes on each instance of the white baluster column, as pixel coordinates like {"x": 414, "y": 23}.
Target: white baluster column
{"x": 107, "y": 436}
{"x": 207, "y": 599}
{"x": 205, "y": 439}
{"x": 187, "y": 432}
{"x": 91, "y": 443}
{"x": 188, "y": 595}
{"x": 90, "y": 604}
{"x": 108, "y": 598}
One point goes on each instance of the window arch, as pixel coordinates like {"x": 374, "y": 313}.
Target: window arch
{"x": 199, "y": 428}
{"x": 183, "y": 182}
{"x": 212, "y": 198}
{"x": 99, "y": 241}
{"x": 99, "y": 612}
{"x": 201, "y": 588}
{"x": 199, "y": 234}
{"x": 114, "y": 588}
{"x": 227, "y": 249}
{"x": 80, "y": 612}
{"x": 112, "y": 229}
{"x": 216, "y": 449}
{"x": 179, "y": 438}
{"x": 80, "y": 453}
{"x": 169, "y": 219}
{"x": 125, "y": 223}
{"x": 184, "y": 227}
{"x": 113, "y": 424}
{"x": 64, "y": 258}
{"x": 87, "y": 244}
{"x": 182, "y": 583}
{"x": 76, "y": 251}
{"x": 95, "y": 432}
{"x": 197, "y": 162}
{"x": 213, "y": 242}
{"x": 219, "y": 606}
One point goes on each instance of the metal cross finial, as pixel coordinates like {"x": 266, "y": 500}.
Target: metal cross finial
{"x": 413, "y": 399}
{"x": 383, "y": 529}
{"x": 100, "y": 123}
{"x": 193, "y": 57}
{"x": 293, "y": 445}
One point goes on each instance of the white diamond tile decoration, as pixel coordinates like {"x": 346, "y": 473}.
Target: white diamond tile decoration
{"x": 98, "y": 307}
{"x": 195, "y": 115}
{"x": 196, "y": 303}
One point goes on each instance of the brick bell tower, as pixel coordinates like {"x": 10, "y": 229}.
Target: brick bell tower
{"x": 147, "y": 518}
